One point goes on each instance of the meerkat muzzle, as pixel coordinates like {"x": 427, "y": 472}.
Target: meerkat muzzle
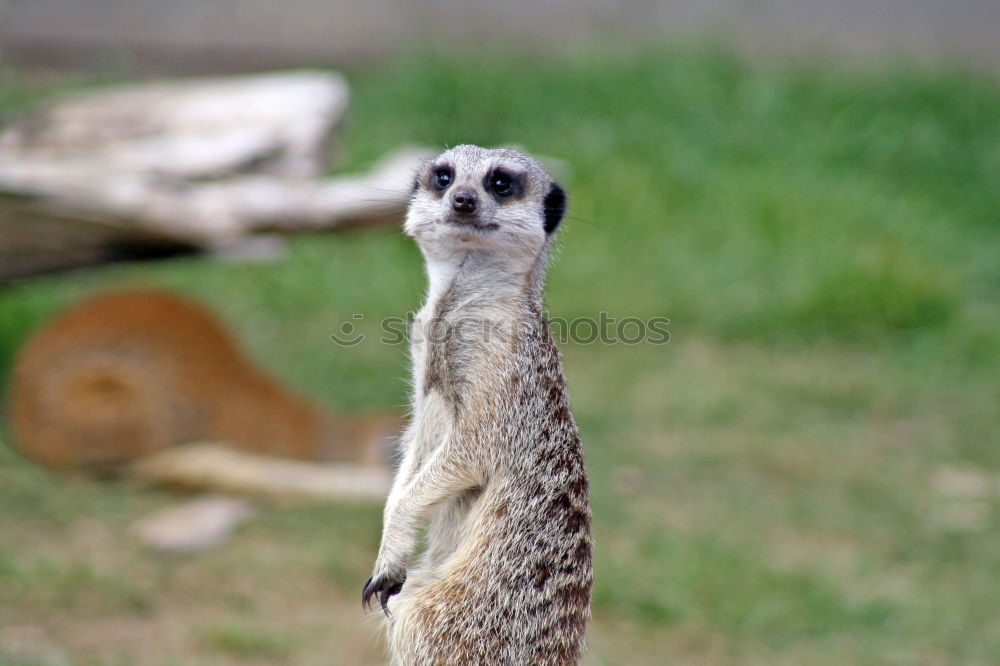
{"x": 464, "y": 201}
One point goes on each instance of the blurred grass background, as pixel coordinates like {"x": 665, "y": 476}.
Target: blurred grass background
{"x": 777, "y": 485}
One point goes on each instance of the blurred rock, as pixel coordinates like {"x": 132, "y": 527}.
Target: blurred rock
{"x": 194, "y": 525}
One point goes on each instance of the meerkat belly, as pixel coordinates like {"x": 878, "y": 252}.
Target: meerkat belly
{"x": 448, "y": 528}
{"x": 518, "y": 567}
{"x": 430, "y": 427}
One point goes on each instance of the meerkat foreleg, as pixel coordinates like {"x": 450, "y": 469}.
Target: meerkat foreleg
{"x": 447, "y": 473}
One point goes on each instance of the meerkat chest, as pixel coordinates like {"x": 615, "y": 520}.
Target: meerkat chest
{"x": 458, "y": 348}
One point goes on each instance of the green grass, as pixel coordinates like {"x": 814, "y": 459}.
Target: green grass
{"x": 825, "y": 243}
{"x": 246, "y": 641}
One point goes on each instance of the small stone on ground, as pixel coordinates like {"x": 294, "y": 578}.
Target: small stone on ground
{"x": 193, "y": 525}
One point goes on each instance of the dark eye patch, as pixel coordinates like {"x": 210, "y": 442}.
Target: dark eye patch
{"x": 441, "y": 178}
{"x": 502, "y": 184}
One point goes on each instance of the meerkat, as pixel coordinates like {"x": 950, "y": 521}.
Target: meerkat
{"x": 127, "y": 373}
{"x": 492, "y": 456}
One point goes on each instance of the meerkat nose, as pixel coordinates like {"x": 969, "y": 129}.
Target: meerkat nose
{"x": 464, "y": 201}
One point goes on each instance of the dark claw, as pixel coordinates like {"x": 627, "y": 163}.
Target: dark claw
{"x": 385, "y": 586}
{"x": 366, "y": 594}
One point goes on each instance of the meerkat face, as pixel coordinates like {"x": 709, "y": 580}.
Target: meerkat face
{"x": 472, "y": 198}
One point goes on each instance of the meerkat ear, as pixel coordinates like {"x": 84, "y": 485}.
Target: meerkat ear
{"x": 555, "y": 206}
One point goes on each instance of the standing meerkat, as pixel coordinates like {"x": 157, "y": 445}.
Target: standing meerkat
{"x": 492, "y": 455}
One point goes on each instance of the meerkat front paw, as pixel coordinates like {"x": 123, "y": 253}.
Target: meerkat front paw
{"x": 386, "y": 585}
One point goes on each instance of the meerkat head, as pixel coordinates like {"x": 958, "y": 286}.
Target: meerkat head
{"x": 472, "y": 198}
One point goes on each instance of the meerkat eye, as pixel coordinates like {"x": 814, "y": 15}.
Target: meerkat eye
{"x": 442, "y": 178}
{"x": 502, "y": 184}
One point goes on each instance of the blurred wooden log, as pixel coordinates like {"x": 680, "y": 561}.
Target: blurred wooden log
{"x": 37, "y": 242}
{"x": 216, "y": 467}
{"x": 206, "y": 213}
{"x": 277, "y": 123}
{"x": 54, "y": 214}
{"x": 174, "y": 166}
